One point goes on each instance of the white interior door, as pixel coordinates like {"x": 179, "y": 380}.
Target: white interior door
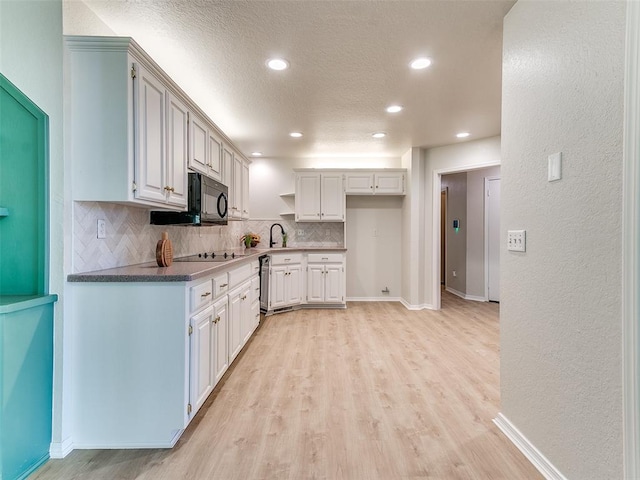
{"x": 492, "y": 225}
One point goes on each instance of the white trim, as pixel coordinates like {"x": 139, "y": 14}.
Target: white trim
{"x": 486, "y": 235}
{"x": 537, "y": 459}
{"x": 475, "y": 298}
{"x": 373, "y": 299}
{"x": 61, "y": 449}
{"x": 630, "y": 239}
{"x": 435, "y": 227}
{"x": 424, "y": 306}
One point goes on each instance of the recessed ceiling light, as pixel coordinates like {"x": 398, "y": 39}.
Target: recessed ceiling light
{"x": 379, "y": 135}
{"x": 278, "y": 64}
{"x": 462, "y": 134}
{"x": 420, "y": 63}
{"x": 295, "y": 134}
{"x": 256, "y": 154}
{"x": 394, "y": 108}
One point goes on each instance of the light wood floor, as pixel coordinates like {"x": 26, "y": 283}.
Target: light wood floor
{"x": 371, "y": 392}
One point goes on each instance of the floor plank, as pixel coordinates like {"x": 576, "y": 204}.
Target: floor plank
{"x": 371, "y": 392}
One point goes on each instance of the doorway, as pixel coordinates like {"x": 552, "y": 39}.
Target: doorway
{"x": 476, "y": 202}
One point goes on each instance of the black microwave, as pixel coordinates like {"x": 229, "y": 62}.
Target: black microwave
{"x": 206, "y": 205}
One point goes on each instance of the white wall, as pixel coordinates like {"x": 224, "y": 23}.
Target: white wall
{"x": 475, "y": 230}
{"x": 374, "y": 243}
{"x": 31, "y": 58}
{"x": 458, "y": 157}
{"x": 560, "y": 327}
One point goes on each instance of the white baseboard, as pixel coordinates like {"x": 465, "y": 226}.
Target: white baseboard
{"x": 408, "y": 306}
{"x": 475, "y": 298}
{"x": 61, "y": 449}
{"x": 373, "y": 299}
{"x": 464, "y": 296}
{"x": 537, "y": 459}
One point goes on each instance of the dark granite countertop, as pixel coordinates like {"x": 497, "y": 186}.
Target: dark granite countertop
{"x": 183, "y": 271}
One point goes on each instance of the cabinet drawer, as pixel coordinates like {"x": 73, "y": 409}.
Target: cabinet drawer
{"x": 242, "y": 273}
{"x": 220, "y": 284}
{"x": 325, "y": 258}
{"x": 201, "y": 295}
{"x": 286, "y": 258}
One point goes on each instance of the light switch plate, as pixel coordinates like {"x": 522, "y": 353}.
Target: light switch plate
{"x": 517, "y": 240}
{"x": 554, "y": 167}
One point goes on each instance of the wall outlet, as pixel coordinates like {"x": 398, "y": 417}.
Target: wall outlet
{"x": 300, "y": 233}
{"x": 102, "y": 229}
{"x": 327, "y": 233}
{"x": 455, "y": 274}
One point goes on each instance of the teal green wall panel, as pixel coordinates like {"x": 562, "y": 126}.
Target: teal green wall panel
{"x": 24, "y": 193}
{"x": 26, "y": 360}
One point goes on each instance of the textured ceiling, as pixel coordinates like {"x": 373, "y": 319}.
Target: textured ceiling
{"x": 349, "y": 60}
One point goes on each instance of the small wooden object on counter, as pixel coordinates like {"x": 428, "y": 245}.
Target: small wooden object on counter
{"x": 164, "y": 251}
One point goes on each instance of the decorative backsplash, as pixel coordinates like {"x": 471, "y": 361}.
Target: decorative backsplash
{"x": 131, "y": 239}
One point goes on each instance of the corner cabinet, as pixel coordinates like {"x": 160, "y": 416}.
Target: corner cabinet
{"x": 319, "y": 197}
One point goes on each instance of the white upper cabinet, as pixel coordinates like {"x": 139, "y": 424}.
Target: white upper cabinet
{"x": 134, "y": 132}
{"x": 238, "y": 183}
{"x": 375, "y": 183}
{"x": 319, "y": 197}
{"x": 206, "y": 148}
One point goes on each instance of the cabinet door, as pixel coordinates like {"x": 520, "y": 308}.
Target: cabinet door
{"x": 221, "y": 345}
{"x": 277, "y": 295}
{"x": 315, "y": 283}
{"x": 236, "y": 209}
{"x": 245, "y": 190}
{"x": 294, "y": 284}
{"x": 235, "y": 324}
{"x": 201, "y": 374}
{"x": 215, "y": 155}
{"x": 391, "y": 183}
{"x": 334, "y": 283}
{"x": 332, "y": 198}
{"x": 247, "y": 320}
{"x": 359, "y": 183}
{"x": 255, "y": 316}
{"x": 150, "y": 117}
{"x": 198, "y": 137}
{"x": 308, "y": 197}
{"x": 177, "y": 151}
{"x": 227, "y": 168}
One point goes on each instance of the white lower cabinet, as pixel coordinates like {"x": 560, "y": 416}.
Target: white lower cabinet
{"x": 325, "y": 278}
{"x": 148, "y": 354}
{"x": 285, "y": 280}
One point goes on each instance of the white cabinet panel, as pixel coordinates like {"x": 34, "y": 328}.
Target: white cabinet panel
{"x": 334, "y": 283}
{"x": 220, "y": 357}
{"x": 332, "y": 198}
{"x": 315, "y": 283}
{"x": 389, "y": 183}
{"x": 215, "y": 155}
{"x": 177, "y": 151}
{"x": 198, "y": 133}
{"x": 201, "y": 375}
{"x": 150, "y": 118}
{"x": 360, "y": 183}
{"x": 235, "y": 323}
{"x": 245, "y": 190}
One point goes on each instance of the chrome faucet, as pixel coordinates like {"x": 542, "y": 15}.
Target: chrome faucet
{"x": 271, "y": 242}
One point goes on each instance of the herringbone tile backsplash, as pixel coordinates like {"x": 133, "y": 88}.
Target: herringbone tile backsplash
{"x": 131, "y": 239}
